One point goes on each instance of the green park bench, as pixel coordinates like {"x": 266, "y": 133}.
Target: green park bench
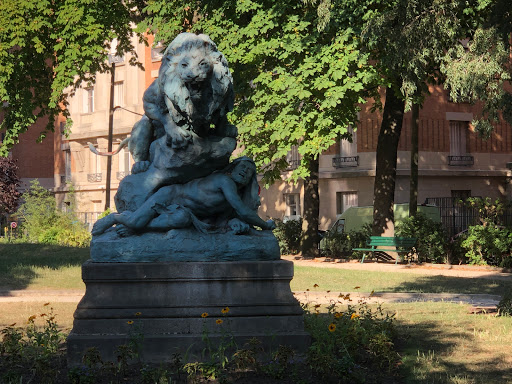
{"x": 400, "y": 245}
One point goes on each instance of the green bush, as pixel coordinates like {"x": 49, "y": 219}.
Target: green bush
{"x": 432, "y": 242}
{"x": 341, "y": 244}
{"x": 42, "y": 222}
{"x": 488, "y": 244}
{"x": 288, "y": 235}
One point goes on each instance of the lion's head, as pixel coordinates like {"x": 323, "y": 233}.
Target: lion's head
{"x": 195, "y": 78}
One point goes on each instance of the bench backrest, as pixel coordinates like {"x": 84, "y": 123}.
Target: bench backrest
{"x": 406, "y": 242}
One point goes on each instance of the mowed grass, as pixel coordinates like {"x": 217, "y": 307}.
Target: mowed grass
{"x": 444, "y": 343}
{"x": 39, "y": 266}
{"x": 343, "y": 280}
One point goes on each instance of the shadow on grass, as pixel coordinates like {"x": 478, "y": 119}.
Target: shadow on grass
{"x": 19, "y": 261}
{"x": 449, "y": 284}
{"x": 426, "y": 349}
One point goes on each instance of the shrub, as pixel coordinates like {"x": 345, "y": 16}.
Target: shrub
{"x": 487, "y": 244}
{"x": 341, "y": 244}
{"x": 344, "y": 341}
{"x": 432, "y": 243}
{"x": 42, "y": 222}
{"x": 288, "y": 235}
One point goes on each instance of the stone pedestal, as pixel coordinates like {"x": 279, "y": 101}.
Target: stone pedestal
{"x": 161, "y": 304}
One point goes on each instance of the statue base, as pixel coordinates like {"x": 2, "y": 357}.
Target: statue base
{"x": 161, "y": 306}
{"x": 184, "y": 245}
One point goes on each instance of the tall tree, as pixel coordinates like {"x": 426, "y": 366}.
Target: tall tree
{"x": 409, "y": 41}
{"x": 9, "y": 183}
{"x": 48, "y": 49}
{"x": 298, "y": 76}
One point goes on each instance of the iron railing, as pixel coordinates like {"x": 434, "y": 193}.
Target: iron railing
{"x": 345, "y": 161}
{"x": 94, "y": 177}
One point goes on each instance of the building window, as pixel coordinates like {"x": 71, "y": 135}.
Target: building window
{"x": 88, "y": 100}
{"x": 119, "y": 94}
{"x": 347, "y": 148}
{"x": 462, "y": 194}
{"x": 347, "y": 152}
{"x": 293, "y": 157}
{"x": 292, "y": 201}
{"x": 67, "y": 165}
{"x": 458, "y": 144}
{"x": 345, "y": 200}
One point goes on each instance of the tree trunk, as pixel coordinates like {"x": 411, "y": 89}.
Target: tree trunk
{"x": 387, "y": 148}
{"x": 310, "y": 238}
{"x": 413, "y": 197}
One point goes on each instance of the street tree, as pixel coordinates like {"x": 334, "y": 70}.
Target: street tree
{"x": 298, "y": 73}
{"x": 48, "y": 49}
{"x": 9, "y": 183}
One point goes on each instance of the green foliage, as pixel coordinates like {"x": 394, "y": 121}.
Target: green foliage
{"x": 29, "y": 351}
{"x": 9, "y": 183}
{"x": 341, "y": 244}
{"x": 478, "y": 73}
{"x": 288, "y": 235}
{"x": 505, "y": 304}
{"x": 43, "y": 223}
{"x": 344, "y": 340}
{"x": 432, "y": 241}
{"x": 298, "y": 75}
{"x": 488, "y": 244}
{"x": 48, "y": 46}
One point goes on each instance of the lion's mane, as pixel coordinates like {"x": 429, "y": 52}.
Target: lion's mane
{"x": 218, "y": 94}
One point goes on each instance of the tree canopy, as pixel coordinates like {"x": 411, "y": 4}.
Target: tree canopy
{"x": 298, "y": 71}
{"x": 48, "y": 48}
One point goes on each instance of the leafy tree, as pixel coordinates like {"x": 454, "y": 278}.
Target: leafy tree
{"x": 48, "y": 49}
{"x": 298, "y": 75}
{"x": 408, "y": 41}
{"x": 9, "y": 183}
{"x": 42, "y": 222}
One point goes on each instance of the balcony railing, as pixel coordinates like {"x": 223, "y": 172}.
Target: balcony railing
{"x": 465, "y": 160}
{"x": 345, "y": 161}
{"x": 122, "y": 175}
{"x": 94, "y": 177}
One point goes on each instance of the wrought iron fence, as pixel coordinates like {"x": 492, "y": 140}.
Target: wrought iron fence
{"x": 88, "y": 218}
{"x": 457, "y": 217}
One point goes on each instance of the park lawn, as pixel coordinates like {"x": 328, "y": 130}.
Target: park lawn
{"x": 41, "y": 266}
{"x": 343, "y": 280}
{"x": 444, "y": 343}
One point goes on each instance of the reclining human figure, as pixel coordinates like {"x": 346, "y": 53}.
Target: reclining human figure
{"x": 219, "y": 197}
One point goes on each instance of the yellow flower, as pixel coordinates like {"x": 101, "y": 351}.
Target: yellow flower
{"x": 138, "y": 313}
{"x": 225, "y": 310}
{"x": 332, "y": 327}
{"x": 338, "y": 315}
{"x": 129, "y": 322}
{"x": 204, "y": 314}
{"x": 315, "y": 286}
{"x": 31, "y": 319}
{"x": 219, "y": 321}
{"x": 45, "y": 304}
{"x": 12, "y": 325}
{"x": 354, "y": 316}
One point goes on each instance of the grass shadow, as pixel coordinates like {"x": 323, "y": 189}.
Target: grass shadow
{"x": 433, "y": 353}
{"x": 449, "y": 284}
{"x": 21, "y": 263}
